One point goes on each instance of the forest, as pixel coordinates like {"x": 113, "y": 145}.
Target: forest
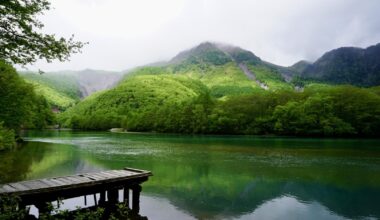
{"x": 209, "y": 89}
{"x": 21, "y": 107}
{"x": 182, "y": 105}
{"x": 221, "y": 89}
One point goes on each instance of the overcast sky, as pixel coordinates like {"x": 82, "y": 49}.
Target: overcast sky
{"x": 126, "y": 33}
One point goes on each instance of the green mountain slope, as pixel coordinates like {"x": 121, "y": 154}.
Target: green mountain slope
{"x": 346, "y": 65}
{"x": 65, "y": 88}
{"x": 134, "y": 103}
{"x": 61, "y": 91}
{"x": 20, "y": 106}
{"x": 91, "y": 81}
{"x": 228, "y": 70}
{"x": 221, "y": 89}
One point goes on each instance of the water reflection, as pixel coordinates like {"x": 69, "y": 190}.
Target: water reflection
{"x": 287, "y": 207}
{"x": 219, "y": 177}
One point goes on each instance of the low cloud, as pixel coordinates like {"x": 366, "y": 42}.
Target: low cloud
{"x": 124, "y": 34}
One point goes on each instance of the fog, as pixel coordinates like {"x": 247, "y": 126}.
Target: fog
{"x": 123, "y": 33}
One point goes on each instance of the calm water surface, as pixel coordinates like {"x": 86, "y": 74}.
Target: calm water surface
{"x": 224, "y": 177}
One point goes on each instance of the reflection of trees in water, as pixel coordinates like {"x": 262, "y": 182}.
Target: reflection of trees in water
{"x": 208, "y": 188}
{"x": 209, "y": 181}
{"x": 15, "y": 164}
{"x": 33, "y": 160}
{"x": 209, "y": 203}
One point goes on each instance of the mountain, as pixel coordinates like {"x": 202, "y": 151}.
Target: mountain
{"x": 65, "y": 88}
{"x": 300, "y": 66}
{"x": 91, "y": 81}
{"x": 61, "y": 91}
{"x": 137, "y": 99}
{"x": 215, "y": 54}
{"x": 346, "y": 65}
{"x": 243, "y": 70}
{"x": 191, "y": 79}
{"x": 221, "y": 89}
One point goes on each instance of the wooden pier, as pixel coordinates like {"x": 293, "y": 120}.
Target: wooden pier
{"x": 106, "y": 184}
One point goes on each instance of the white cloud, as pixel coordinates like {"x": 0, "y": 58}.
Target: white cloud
{"x": 125, "y": 33}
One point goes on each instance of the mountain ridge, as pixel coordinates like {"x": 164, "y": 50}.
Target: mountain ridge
{"x": 63, "y": 89}
{"x": 206, "y": 90}
{"x": 346, "y": 65}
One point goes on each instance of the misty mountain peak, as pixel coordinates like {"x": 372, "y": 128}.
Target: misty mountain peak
{"x": 216, "y": 54}
{"x": 203, "y": 53}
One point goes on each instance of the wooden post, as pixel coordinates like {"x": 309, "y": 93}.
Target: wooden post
{"x": 43, "y": 207}
{"x": 113, "y": 196}
{"x": 102, "y": 199}
{"x": 126, "y": 196}
{"x": 136, "y": 189}
{"x": 95, "y": 201}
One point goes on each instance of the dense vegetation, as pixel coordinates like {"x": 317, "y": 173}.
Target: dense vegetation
{"x": 176, "y": 97}
{"x": 22, "y": 43}
{"x": 61, "y": 91}
{"x": 21, "y": 107}
{"x": 217, "y": 89}
{"x": 136, "y": 98}
{"x": 7, "y": 137}
{"x": 65, "y": 88}
{"x": 177, "y": 103}
{"x": 214, "y": 89}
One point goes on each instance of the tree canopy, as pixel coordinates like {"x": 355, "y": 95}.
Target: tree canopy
{"x": 20, "y": 39}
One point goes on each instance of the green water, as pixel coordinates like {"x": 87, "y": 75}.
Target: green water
{"x": 225, "y": 177}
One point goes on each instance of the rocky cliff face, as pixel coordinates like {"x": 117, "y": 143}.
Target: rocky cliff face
{"x": 91, "y": 81}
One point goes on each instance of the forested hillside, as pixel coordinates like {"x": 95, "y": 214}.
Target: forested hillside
{"x": 91, "y": 81}
{"x": 61, "y": 91}
{"x": 21, "y": 107}
{"x": 220, "y": 89}
{"x": 65, "y": 88}
{"x": 347, "y": 65}
{"x": 209, "y": 89}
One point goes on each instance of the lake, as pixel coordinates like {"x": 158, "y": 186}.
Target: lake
{"x": 217, "y": 177}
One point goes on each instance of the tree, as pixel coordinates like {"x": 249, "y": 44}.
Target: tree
{"x": 20, "y": 43}
{"x": 7, "y": 138}
{"x": 20, "y": 106}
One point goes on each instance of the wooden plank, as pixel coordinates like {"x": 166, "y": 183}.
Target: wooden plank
{"x": 88, "y": 177}
{"x": 121, "y": 172}
{"x": 8, "y": 188}
{"x": 35, "y": 184}
{"x": 83, "y": 176}
{"x": 19, "y": 186}
{"x": 134, "y": 170}
{"x": 80, "y": 179}
{"x": 102, "y": 175}
{"x": 114, "y": 174}
{"x": 73, "y": 184}
{"x": 66, "y": 181}
{"x": 94, "y": 177}
{"x": 98, "y": 177}
{"x": 50, "y": 182}
{"x": 129, "y": 172}
{"x": 74, "y": 180}
{"x": 106, "y": 175}
{"x": 57, "y": 182}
